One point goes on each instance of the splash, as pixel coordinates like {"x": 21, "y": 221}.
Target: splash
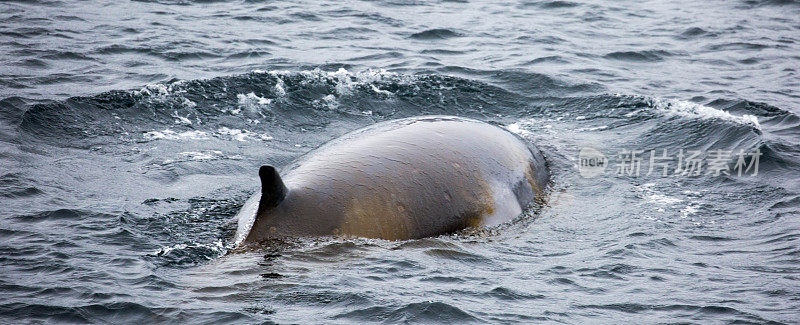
{"x": 344, "y": 82}
{"x": 252, "y": 102}
{"x": 223, "y": 133}
{"x": 672, "y": 107}
{"x": 168, "y": 134}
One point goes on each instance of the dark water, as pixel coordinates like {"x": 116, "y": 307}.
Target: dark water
{"x": 131, "y": 132}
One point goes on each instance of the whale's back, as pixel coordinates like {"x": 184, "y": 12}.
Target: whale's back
{"x": 409, "y": 178}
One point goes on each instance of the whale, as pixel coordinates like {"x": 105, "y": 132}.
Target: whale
{"x": 401, "y": 179}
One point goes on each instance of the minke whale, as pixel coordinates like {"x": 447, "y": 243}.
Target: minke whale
{"x": 401, "y": 179}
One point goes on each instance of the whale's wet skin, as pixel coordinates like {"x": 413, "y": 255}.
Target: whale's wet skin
{"x": 118, "y": 205}
{"x": 401, "y": 179}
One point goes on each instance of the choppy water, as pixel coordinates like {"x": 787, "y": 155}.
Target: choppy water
{"x": 131, "y": 132}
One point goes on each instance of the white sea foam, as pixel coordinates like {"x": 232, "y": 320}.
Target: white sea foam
{"x": 280, "y": 88}
{"x": 327, "y": 102}
{"x": 688, "y": 211}
{"x": 252, "y": 102}
{"x": 652, "y": 195}
{"x": 161, "y": 90}
{"x": 528, "y": 127}
{"x": 188, "y": 103}
{"x": 217, "y": 247}
{"x": 224, "y": 133}
{"x": 594, "y": 128}
{"x": 154, "y": 90}
{"x": 202, "y": 155}
{"x": 659, "y": 198}
{"x": 344, "y": 81}
{"x": 242, "y": 135}
{"x": 692, "y": 110}
{"x": 516, "y": 127}
{"x": 172, "y": 135}
{"x": 170, "y": 92}
{"x": 181, "y": 119}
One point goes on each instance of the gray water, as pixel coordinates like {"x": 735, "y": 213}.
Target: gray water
{"x": 131, "y": 133}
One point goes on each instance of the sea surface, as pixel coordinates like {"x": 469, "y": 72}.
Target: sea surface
{"x": 131, "y": 133}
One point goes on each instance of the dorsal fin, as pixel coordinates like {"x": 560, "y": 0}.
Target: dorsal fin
{"x": 272, "y": 189}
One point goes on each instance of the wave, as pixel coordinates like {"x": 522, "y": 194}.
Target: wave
{"x": 701, "y": 311}
{"x": 701, "y": 112}
{"x": 436, "y": 34}
{"x": 13, "y": 185}
{"x": 639, "y": 56}
{"x": 421, "y": 312}
{"x": 549, "y": 4}
{"x": 263, "y": 106}
{"x": 255, "y": 102}
{"x": 769, "y": 3}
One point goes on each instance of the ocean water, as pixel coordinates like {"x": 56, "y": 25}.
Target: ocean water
{"x": 131, "y": 133}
